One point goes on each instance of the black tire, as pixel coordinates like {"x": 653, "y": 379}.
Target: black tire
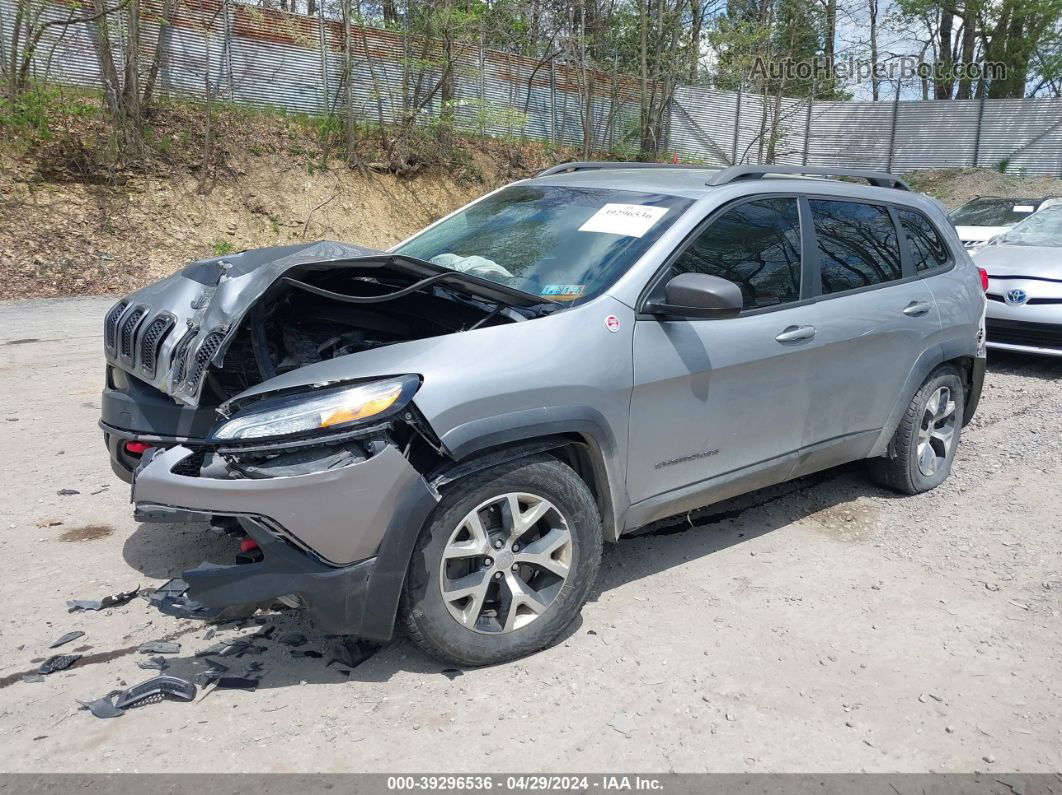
{"x": 899, "y": 469}
{"x": 423, "y": 610}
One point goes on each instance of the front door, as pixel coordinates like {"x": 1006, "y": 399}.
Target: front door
{"x": 714, "y": 399}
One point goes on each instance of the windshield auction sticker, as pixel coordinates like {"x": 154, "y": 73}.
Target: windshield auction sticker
{"x": 632, "y": 220}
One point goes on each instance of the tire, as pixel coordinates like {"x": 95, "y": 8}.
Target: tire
{"x": 935, "y": 411}
{"x": 531, "y": 594}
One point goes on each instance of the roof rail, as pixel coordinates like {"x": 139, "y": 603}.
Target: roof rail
{"x": 879, "y": 179}
{"x": 594, "y": 165}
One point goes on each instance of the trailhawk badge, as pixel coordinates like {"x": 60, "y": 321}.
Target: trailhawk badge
{"x": 612, "y": 323}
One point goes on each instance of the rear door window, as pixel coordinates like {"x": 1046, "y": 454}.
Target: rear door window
{"x": 756, "y": 245}
{"x": 858, "y": 245}
{"x": 927, "y": 248}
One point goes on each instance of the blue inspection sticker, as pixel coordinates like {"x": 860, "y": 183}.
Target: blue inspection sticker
{"x": 563, "y": 292}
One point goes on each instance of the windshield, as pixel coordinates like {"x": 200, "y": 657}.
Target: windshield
{"x": 560, "y": 243}
{"x": 993, "y": 212}
{"x": 1042, "y": 229}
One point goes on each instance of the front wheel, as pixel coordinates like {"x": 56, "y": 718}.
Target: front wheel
{"x": 923, "y": 448}
{"x": 504, "y": 564}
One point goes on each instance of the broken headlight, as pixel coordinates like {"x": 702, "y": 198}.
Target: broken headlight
{"x": 322, "y": 410}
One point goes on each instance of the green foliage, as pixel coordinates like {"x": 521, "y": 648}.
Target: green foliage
{"x": 41, "y": 113}
{"x": 222, "y": 247}
{"x": 1003, "y": 165}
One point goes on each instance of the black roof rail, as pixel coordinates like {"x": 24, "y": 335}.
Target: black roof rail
{"x": 595, "y": 165}
{"x": 879, "y": 179}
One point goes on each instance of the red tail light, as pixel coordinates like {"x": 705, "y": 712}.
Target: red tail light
{"x": 136, "y": 448}
{"x": 248, "y": 544}
{"x": 984, "y": 279}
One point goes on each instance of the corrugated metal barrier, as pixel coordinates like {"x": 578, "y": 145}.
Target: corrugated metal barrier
{"x": 291, "y": 62}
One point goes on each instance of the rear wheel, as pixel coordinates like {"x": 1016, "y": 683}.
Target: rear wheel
{"x": 923, "y": 448}
{"x": 504, "y": 564}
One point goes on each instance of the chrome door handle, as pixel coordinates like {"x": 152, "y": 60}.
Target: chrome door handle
{"x": 796, "y": 334}
{"x": 917, "y": 308}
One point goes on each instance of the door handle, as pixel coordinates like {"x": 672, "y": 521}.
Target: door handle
{"x": 917, "y": 308}
{"x": 796, "y": 334}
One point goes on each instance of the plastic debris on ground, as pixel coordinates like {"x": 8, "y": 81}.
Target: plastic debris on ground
{"x": 58, "y": 662}
{"x": 152, "y": 691}
{"x": 169, "y": 598}
{"x": 101, "y": 604}
{"x": 154, "y": 664}
{"x": 69, "y": 636}
{"x": 236, "y": 683}
{"x": 159, "y": 647}
{"x": 293, "y": 639}
{"x": 351, "y": 653}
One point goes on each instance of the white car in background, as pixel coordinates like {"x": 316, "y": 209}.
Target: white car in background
{"x": 1024, "y": 267}
{"x": 981, "y": 219}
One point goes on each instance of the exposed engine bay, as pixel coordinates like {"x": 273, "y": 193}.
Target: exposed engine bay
{"x": 313, "y": 317}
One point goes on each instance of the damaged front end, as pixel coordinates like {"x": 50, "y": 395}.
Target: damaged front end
{"x": 324, "y": 480}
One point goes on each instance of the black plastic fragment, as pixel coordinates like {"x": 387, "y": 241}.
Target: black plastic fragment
{"x": 69, "y": 636}
{"x": 101, "y": 604}
{"x": 237, "y": 683}
{"x": 58, "y": 662}
{"x": 293, "y": 639}
{"x": 306, "y": 653}
{"x": 159, "y": 647}
{"x": 352, "y": 653}
{"x": 169, "y": 598}
{"x": 154, "y": 664}
{"x": 155, "y": 690}
{"x": 103, "y": 707}
{"x": 265, "y": 632}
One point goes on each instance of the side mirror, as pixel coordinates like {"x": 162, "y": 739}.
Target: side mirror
{"x": 698, "y": 295}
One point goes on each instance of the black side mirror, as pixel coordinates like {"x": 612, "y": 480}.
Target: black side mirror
{"x": 698, "y": 295}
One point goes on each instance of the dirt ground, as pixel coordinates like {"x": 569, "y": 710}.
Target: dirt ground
{"x": 820, "y": 626}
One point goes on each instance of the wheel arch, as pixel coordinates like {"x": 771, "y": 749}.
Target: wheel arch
{"x": 930, "y": 360}
{"x": 580, "y": 443}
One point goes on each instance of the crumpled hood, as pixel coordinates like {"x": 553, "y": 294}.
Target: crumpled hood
{"x": 169, "y": 332}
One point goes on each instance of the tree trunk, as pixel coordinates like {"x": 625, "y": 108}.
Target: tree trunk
{"x": 697, "y": 13}
{"x": 943, "y": 83}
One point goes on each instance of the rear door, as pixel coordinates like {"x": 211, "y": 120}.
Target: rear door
{"x": 874, "y": 319}
{"x": 714, "y": 399}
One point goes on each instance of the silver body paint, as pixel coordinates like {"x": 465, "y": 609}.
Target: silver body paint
{"x": 678, "y": 413}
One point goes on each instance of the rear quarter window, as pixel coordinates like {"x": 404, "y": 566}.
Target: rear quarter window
{"x": 928, "y": 250}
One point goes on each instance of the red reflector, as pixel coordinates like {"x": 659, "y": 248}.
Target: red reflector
{"x": 984, "y": 279}
{"x": 137, "y": 448}
{"x": 248, "y": 544}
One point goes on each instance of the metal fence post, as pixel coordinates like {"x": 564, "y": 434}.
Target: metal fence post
{"x": 807, "y": 127}
{"x": 977, "y": 133}
{"x": 482, "y": 86}
{"x": 892, "y": 132}
{"x": 737, "y": 123}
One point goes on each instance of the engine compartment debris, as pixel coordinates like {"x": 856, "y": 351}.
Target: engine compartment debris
{"x": 101, "y": 604}
{"x": 64, "y": 639}
{"x": 58, "y": 662}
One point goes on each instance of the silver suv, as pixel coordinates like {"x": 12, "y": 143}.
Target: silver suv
{"x": 449, "y": 431}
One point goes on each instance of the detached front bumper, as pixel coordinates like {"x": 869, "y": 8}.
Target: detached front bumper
{"x": 339, "y": 540}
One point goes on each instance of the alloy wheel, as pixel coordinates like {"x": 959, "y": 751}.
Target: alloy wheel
{"x": 506, "y": 563}
{"x": 936, "y": 433}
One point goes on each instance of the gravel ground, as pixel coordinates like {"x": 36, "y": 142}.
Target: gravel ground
{"x": 820, "y": 626}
